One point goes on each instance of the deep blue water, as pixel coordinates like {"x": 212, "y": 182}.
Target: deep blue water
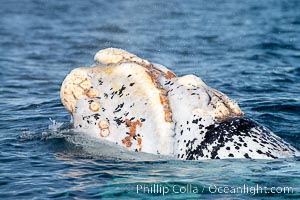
{"x": 249, "y": 50}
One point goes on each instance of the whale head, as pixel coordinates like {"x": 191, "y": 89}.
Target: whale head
{"x": 145, "y": 107}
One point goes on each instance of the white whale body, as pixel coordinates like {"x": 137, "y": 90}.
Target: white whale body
{"x": 145, "y": 107}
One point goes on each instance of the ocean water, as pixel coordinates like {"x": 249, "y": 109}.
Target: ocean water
{"x": 249, "y": 50}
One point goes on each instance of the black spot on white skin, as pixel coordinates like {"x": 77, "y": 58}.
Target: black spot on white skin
{"x": 142, "y": 119}
{"x": 259, "y": 152}
{"x": 113, "y": 94}
{"x": 119, "y": 107}
{"x": 233, "y": 130}
{"x": 195, "y": 121}
{"x": 129, "y": 75}
{"x": 131, "y": 84}
{"x": 122, "y": 89}
{"x": 200, "y": 126}
{"x": 132, "y": 105}
{"x": 191, "y": 142}
{"x": 119, "y": 120}
{"x": 247, "y": 156}
{"x": 96, "y": 116}
{"x": 168, "y": 82}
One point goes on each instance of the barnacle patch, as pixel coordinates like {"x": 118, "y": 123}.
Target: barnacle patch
{"x": 104, "y": 128}
{"x": 92, "y": 93}
{"x": 95, "y": 106}
{"x": 132, "y": 133}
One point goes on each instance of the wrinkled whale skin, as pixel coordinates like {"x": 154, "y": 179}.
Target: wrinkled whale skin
{"x": 145, "y": 107}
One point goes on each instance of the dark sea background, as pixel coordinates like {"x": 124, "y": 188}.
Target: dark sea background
{"x": 249, "y": 50}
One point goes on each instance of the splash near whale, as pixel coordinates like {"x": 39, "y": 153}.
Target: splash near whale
{"x": 145, "y": 107}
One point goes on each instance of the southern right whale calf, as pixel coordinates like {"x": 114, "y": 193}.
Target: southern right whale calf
{"x": 145, "y": 107}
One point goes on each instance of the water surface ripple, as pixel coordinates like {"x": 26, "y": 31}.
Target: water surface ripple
{"x": 250, "y": 50}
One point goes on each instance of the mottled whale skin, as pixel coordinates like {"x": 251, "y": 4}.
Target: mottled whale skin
{"x": 145, "y": 107}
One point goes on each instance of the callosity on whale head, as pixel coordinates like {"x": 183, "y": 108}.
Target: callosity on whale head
{"x": 145, "y": 107}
